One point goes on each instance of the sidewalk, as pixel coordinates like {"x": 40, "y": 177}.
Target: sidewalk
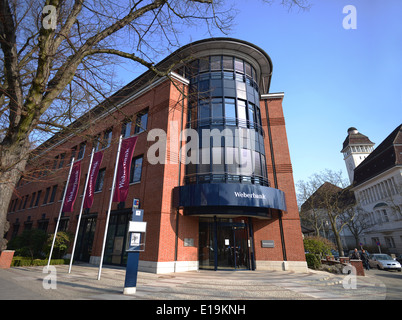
{"x": 27, "y": 283}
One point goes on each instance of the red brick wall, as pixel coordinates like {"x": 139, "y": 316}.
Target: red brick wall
{"x": 284, "y": 176}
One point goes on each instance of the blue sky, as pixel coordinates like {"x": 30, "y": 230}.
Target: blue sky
{"x": 333, "y": 78}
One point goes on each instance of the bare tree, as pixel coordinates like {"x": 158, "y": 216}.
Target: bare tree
{"x": 329, "y": 202}
{"x": 358, "y": 222}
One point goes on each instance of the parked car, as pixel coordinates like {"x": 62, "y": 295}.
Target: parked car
{"x": 335, "y": 254}
{"x": 383, "y": 261}
{"x": 399, "y": 258}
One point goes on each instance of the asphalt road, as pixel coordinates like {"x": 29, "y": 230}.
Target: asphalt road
{"x": 392, "y": 281}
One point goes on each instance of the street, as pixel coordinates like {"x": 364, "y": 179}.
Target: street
{"x": 392, "y": 281}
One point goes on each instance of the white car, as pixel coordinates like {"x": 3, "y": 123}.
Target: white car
{"x": 384, "y": 261}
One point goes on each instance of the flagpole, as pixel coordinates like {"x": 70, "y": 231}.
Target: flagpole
{"x": 61, "y": 210}
{"x": 110, "y": 206}
{"x": 82, "y": 206}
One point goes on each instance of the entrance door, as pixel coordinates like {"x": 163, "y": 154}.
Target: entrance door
{"x": 224, "y": 245}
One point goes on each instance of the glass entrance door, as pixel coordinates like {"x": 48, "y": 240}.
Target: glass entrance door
{"x": 224, "y": 245}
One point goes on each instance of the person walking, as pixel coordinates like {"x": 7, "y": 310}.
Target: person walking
{"x": 365, "y": 260}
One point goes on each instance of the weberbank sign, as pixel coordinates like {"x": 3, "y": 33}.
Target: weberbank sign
{"x": 249, "y": 195}
{"x": 226, "y": 194}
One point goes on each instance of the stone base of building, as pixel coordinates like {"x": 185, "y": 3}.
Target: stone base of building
{"x": 167, "y": 267}
{"x": 295, "y": 266}
{"x": 158, "y": 267}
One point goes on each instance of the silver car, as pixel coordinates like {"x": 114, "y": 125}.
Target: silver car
{"x": 383, "y": 261}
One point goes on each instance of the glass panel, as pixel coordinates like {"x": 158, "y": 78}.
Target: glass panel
{"x": 257, "y": 164}
{"x": 246, "y": 165}
{"x": 217, "y": 160}
{"x": 225, "y": 246}
{"x": 251, "y": 115}
{"x": 227, "y": 63}
{"x": 248, "y": 69}
{"x": 204, "y": 162}
{"x": 241, "y": 113}
{"x": 231, "y": 160}
{"x": 239, "y": 65}
{"x": 216, "y": 63}
{"x": 204, "y": 64}
{"x": 217, "y": 112}
{"x": 230, "y": 111}
{"x": 204, "y": 112}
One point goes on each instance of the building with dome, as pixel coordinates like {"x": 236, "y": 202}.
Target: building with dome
{"x": 218, "y": 193}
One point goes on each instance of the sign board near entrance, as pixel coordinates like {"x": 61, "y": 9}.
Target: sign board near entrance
{"x": 267, "y": 244}
{"x": 226, "y": 194}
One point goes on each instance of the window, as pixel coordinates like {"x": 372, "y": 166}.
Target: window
{"x": 100, "y": 179}
{"x": 239, "y": 65}
{"x": 96, "y": 142}
{"x": 227, "y": 63}
{"x": 204, "y": 64}
{"x": 73, "y": 151}
{"x": 217, "y": 113}
{"x": 46, "y": 195}
{"x": 217, "y": 160}
{"x": 55, "y": 162}
{"x": 37, "y": 198}
{"x": 62, "y": 156}
{"x": 204, "y": 111}
{"x": 241, "y": 113}
{"x": 216, "y": 63}
{"x": 25, "y": 202}
{"x": 53, "y": 195}
{"x": 251, "y": 115}
{"x": 385, "y": 215}
{"x": 126, "y": 129}
{"x": 136, "y": 169}
{"x": 32, "y": 200}
{"x": 107, "y": 139}
{"x": 230, "y": 111}
{"x": 141, "y": 121}
{"x": 81, "y": 151}
{"x": 389, "y": 241}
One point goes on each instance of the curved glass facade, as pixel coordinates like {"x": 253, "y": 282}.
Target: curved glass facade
{"x": 224, "y": 110}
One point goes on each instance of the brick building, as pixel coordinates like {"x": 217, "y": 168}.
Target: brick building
{"x": 232, "y": 207}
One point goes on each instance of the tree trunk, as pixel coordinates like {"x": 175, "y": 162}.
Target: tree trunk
{"x": 339, "y": 243}
{"x": 13, "y": 160}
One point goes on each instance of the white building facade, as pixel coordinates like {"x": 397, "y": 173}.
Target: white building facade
{"x": 377, "y": 184}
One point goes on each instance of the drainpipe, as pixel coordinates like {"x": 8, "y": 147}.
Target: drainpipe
{"x": 179, "y": 181}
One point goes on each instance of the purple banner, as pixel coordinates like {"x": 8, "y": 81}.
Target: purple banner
{"x": 72, "y": 189}
{"x": 123, "y": 170}
{"x": 93, "y": 174}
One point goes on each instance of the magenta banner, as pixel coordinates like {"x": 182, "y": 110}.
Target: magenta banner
{"x": 123, "y": 170}
{"x": 72, "y": 189}
{"x": 93, "y": 174}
